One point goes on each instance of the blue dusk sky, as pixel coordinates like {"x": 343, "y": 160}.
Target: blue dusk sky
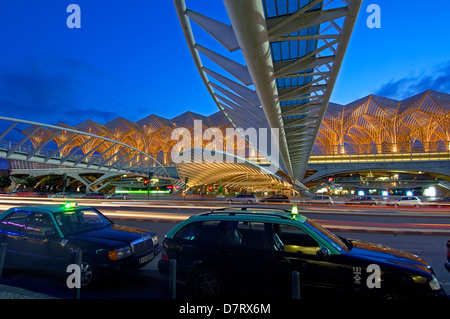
{"x": 130, "y": 58}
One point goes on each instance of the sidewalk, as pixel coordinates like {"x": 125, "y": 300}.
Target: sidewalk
{"x": 10, "y": 292}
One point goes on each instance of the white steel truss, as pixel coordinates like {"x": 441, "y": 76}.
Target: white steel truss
{"x": 278, "y": 66}
{"x": 105, "y": 155}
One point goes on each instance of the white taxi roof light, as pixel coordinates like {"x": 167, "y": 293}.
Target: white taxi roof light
{"x": 69, "y": 205}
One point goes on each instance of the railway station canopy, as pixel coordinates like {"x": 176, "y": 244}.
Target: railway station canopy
{"x": 370, "y": 125}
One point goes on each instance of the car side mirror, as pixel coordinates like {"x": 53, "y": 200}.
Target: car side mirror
{"x": 323, "y": 252}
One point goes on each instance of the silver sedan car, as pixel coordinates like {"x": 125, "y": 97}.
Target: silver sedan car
{"x": 406, "y": 201}
{"x": 243, "y": 198}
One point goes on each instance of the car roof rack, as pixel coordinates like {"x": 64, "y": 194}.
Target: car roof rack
{"x": 244, "y": 208}
{"x": 231, "y": 211}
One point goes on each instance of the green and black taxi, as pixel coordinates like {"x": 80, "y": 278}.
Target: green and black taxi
{"x": 49, "y": 236}
{"x": 254, "y": 251}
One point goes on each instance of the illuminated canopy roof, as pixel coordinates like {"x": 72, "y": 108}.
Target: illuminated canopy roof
{"x": 374, "y": 120}
{"x": 240, "y": 173}
{"x": 372, "y": 124}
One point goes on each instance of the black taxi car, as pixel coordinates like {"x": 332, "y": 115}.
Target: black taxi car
{"x": 256, "y": 250}
{"x": 48, "y": 237}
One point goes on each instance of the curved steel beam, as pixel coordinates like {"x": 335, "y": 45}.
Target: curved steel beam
{"x": 292, "y": 75}
{"x": 254, "y": 42}
{"x": 125, "y": 166}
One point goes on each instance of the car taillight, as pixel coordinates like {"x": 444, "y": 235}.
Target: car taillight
{"x": 164, "y": 256}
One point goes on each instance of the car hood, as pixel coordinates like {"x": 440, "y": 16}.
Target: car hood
{"x": 113, "y": 234}
{"x": 385, "y": 255}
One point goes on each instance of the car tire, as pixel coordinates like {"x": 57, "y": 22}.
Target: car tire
{"x": 229, "y": 201}
{"x": 249, "y": 202}
{"x": 206, "y": 283}
{"x": 393, "y": 294}
{"x": 89, "y": 271}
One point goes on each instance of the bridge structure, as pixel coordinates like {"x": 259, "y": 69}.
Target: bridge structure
{"x": 400, "y": 172}
{"x": 46, "y": 150}
{"x": 60, "y": 150}
{"x": 326, "y": 169}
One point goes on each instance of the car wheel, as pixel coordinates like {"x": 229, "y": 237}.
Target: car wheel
{"x": 229, "y": 201}
{"x": 396, "y": 205}
{"x": 393, "y": 294}
{"x": 391, "y": 291}
{"x": 249, "y": 202}
{"x": 206, "y": 284}
{"x": 89, "y": 272}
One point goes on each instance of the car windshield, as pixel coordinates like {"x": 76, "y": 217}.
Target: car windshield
{"x": 80, "y": 220}
{"x": 328, "y": 236}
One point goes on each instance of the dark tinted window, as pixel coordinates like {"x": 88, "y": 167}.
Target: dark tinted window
{"x": 242, "y": 234}
{"x": 296, "y": 240}
{"x": 228, "y": 234}
{"x": 16, "y": 221}
{"x": 80, "y": 220}
{"x": 251, "y": 235}
{"x": 39, "y": 224}
{"x": 202, "y": 231}
{"x": 25, "y": 222}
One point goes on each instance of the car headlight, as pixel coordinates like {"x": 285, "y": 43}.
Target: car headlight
{"x": 119, "y": 253}
{"x": 434, "y": 284}
{"x": 155, "y": 240}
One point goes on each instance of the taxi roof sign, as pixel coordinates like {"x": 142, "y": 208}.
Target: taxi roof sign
{"x": 70, "y": 205}
{"x": 294, "y": 211}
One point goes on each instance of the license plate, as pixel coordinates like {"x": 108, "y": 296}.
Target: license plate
{"x": 145, "y": 258}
